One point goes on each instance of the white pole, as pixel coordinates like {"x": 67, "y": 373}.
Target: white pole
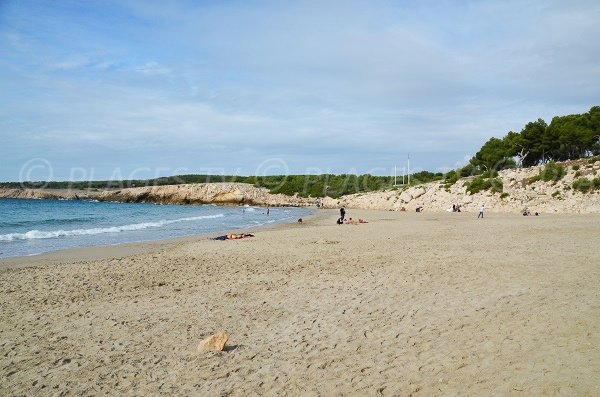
{"x": 409, "y": 168}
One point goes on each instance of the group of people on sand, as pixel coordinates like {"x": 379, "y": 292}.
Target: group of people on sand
{"x": 343, "y": 221}
{"x": 455, "y": 207}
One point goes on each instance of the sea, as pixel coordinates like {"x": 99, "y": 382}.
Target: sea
{"x": 30, "y": 227}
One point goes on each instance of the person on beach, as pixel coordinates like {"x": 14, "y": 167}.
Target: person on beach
{"x": 481, "y": 211}
{"x": 268, "y": 210}
{"x": 233, "y": 236}
{"x": 342, "y": 213}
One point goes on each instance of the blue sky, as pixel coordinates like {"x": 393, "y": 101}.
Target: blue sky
{"x": 102, "y": 89}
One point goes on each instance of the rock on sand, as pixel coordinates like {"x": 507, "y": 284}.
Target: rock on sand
{"x": 214, "y": 342}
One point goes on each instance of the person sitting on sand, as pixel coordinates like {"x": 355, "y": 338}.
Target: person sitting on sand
{"x": 362, "y": 221}
{"x": 299, "y": 220}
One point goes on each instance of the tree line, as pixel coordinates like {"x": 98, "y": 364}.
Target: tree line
{"x": 565, "y": 138}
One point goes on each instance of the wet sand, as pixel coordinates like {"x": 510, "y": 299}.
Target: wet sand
{"x": 408, "y": 304}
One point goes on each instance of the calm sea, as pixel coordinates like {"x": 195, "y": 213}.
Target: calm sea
{"x": 29, "y": 227}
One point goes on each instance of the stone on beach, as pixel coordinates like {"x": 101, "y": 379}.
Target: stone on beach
{"x": 214, "y": 342}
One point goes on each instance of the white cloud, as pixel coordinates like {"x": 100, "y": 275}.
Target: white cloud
{"x": 333, "y": 85}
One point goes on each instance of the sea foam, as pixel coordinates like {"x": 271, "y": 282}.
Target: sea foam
{"x": 39, "y": 234}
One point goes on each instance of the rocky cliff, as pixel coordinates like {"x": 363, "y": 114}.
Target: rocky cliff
{"x": 518, "y": 194}
{"x": 201, "y": 193}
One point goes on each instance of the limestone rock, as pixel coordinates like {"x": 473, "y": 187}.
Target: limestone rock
{"x": 418, "y": 192}
{"x": 215, "y": 343}
{"x": 405, "y": 197}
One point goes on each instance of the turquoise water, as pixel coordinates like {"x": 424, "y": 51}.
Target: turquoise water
{"x": 29, "y": 227}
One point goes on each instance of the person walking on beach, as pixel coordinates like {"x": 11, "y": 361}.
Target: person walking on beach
{"x": 481, "y": 210}
{"x": 342, "y": 213}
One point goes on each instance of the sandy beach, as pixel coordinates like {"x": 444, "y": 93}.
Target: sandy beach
{"x": 432, "y": 304}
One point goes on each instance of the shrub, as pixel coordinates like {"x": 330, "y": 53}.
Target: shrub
{"x": 577, "y": 174}
{"x": 583, "y": 185}
{"x": 504, "y": 195}
{"x": 596, "y": 183}
{"x": 497, "y": 185}
{"x": 552, "y": 172}
{"x": 534, "y": 179}
{"x": 480, "y": 183}
{"x": 594, "y": 159}
{"x": 556, "y": 194}
{"x": 490, "y": 174}
{"x": 469, "y": 170}
{"x": 450, "y": 178}
{"x": 575, "y": 167}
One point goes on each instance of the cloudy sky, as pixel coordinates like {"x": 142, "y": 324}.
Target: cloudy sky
{"x": 102, "y": 89}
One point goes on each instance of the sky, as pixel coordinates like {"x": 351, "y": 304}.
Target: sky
{"x": 139, "y": 89}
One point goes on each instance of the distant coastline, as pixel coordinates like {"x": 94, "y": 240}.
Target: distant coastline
{"x": 567, "y": 187}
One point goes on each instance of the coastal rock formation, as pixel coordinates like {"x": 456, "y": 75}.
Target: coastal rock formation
{"x": 519, "y": 192}
{"x": 202, "y": 193}
{"x": 43, "y": 194}
{"x": 214, "y": 343}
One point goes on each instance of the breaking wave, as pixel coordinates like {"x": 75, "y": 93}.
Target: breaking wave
{"x": 39, "y": 234}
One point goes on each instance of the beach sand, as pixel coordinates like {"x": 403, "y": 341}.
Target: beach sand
{"x": 432, "y": 304}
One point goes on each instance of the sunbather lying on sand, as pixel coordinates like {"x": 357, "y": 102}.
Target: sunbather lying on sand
{"x": 233, "y": 236}
{"x": 351, "y": 221}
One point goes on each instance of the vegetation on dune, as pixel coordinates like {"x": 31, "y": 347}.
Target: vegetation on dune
{"x": 586, "y": 185}
{"x": 551, "y": 172}
{"x": 482, "y": 183}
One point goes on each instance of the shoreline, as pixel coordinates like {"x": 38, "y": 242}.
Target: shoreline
{"x": 121, "y": 250}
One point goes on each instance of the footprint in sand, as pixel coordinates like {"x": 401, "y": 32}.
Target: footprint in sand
{"x": 325, "y": 241}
